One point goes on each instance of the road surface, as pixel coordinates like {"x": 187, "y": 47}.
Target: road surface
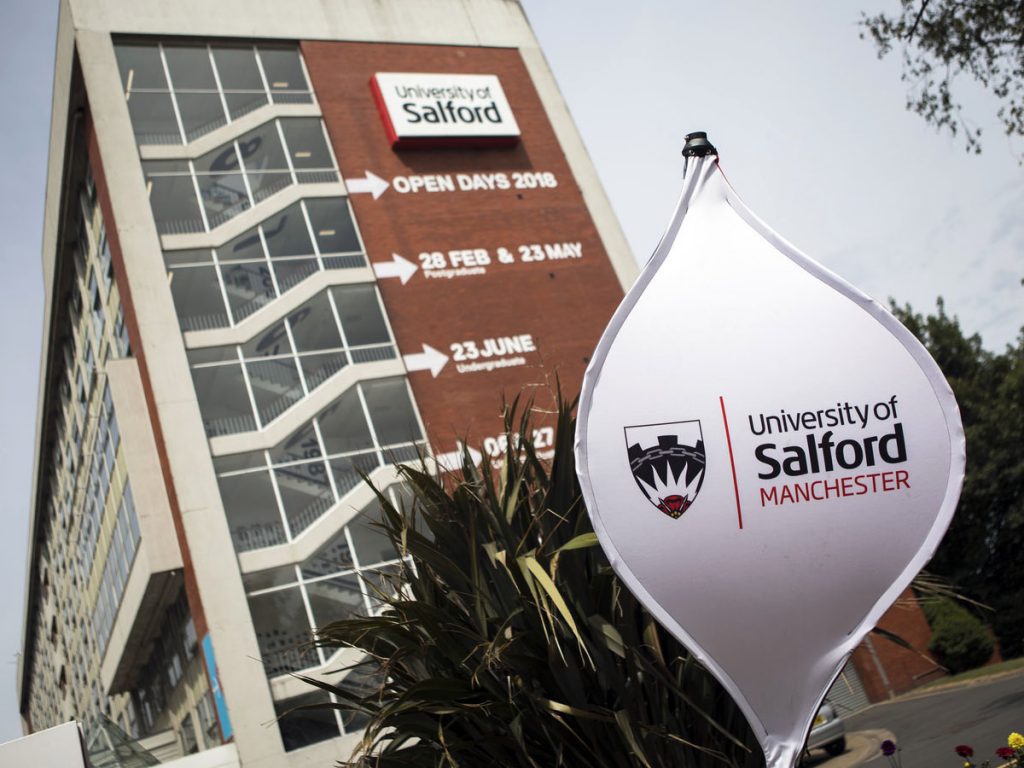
{"x": 929, "y": 727}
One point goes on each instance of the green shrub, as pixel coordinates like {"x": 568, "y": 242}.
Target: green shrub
{"x": 512, "y": 643}
{"x": 959, "y": 640}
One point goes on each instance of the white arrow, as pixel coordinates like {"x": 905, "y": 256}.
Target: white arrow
{"x": 373, "y": 184}
{"x": 452, "y": 460}
{"x": 427, "y": 360}
{"x": 397, "y": 267}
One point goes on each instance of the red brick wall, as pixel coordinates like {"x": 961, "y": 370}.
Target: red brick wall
{"x": 904, "y": 670}
{"x": 563, "y": 304}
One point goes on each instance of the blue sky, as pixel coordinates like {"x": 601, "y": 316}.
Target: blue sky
{"x": 810, "y": 126}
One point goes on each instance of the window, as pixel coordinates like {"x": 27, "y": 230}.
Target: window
{"x": 214, "y": 288}
{"x": 106, "y": 261}
{"x": 302, "y": 727}
{"x": 124, "y": 348}
{"x": 347, "y": 576}
{"x": 246, "y": 386}
{"x": 179, "y": 92}
{"x": 272, "y": 496}
{"x": 200, "y": 195}
{"x": 208, "y": 720}
{"x": 162, "y": 674}
{"x": 120, "y": 556}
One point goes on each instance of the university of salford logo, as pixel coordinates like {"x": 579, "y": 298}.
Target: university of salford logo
{"x": 667, "y": 462}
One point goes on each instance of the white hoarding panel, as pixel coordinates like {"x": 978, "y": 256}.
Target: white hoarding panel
{"x": 786, "y": 462}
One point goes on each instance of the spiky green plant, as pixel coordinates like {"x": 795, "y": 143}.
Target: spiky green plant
{"x": 510, "y": 641}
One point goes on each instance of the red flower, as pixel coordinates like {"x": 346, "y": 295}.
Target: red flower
{"x": 964, "y": 751}
{"x": 1005, "y": 752}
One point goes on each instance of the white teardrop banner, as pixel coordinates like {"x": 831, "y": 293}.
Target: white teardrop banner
{"x": 768, "y": 456}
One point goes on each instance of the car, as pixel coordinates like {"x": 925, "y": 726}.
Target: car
{"x": 828, "y": 731}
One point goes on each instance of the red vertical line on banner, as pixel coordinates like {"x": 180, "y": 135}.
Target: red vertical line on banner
{"x": 732, "y": 462}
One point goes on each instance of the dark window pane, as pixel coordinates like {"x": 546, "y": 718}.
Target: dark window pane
{"x": 264, "y": 185}
{"x": 334, "y": 599}
{"x": 382, "y": 582}
{"x": 352, "y": 261}
{"x": 261, "y": 150}
{"x": 200, "y": 256}
{"x": 220, "y": 160}
{"x": 372, "y": 544}
{"x": 305, "y": 726}
{"x": 343, "y": 426}
{"x": 348, "y": 470}
{"x": 248, "y": 287}
{"x": 140, "y": 66}
{"x": 245, "y": 246}
{"x": 305, "y": 492}
{"x": 391, "y": 411}
{"x": 332, "y": 225}
{"x": 286, "y": 234}
{"x": 273, "y": 341}
{"x": 299, "y": 446}
{"x": 283, "y": 69}
{"x": 197, "y": 298}
{"x": 240, "y": 104}
{"x": 152, "y": 116}
{"x": 190, "y": 67}
{"x": 332, "y": 557}
{"x": 318, "y": 368}
{"x": 272, "y": 577}
{"x": 326, "y": 176}
{"x": 224, "y": 197}
{"x": 292, "y": 97}
{"x": 237, "y": 69}
{"x": 361, "y": 316}
{"x": 313, "y": 325}
{"x": 239, "y": 461}
{"x": 305, "y": 139}
{"x": 373, "y": 354}
{"x": 223, "y": 400}
{"x": 282, "y": 630}
{"x": 363, "y": 680}
{"x": 228, "y": 354}
{"x": 172, "y": 198}
{"x": 291, "y": 272}
{"x": 275, "y": 386}
{"x": 251, "y": 510}
{"x": 200, "y": 113}
{"x": 221, "y": 187}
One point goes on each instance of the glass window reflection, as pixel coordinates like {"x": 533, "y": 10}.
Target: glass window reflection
{"x": 204, "y": 79}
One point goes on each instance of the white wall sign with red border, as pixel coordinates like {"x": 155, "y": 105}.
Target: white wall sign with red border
{"x": 430, "y": 110}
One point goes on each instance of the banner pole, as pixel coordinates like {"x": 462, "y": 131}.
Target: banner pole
{"x": 697, "y": 145}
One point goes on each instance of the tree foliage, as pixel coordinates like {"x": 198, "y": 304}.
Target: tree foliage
{"x": 981, "y": 553}
{"x": 959, "y": 640}
{"x": 510, "y": 641}
{"x": 945, "y": 40}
